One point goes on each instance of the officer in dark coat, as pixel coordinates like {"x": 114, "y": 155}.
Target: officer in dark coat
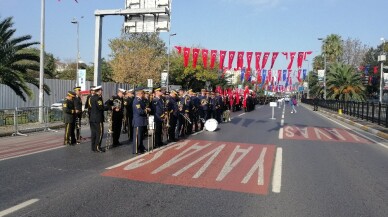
{"x": 158, "y": 111}
{"x": 203, "y": 108}
{"x": 139, "y": 121}
{"x": 128, "y": 101}
{"x": 218, "y": 107}
{"x": 194, "y": 114}
{"x": 78, "y": 113}
{"x": 96, "y": 120}
{"x": 172, "y": 109}
{"x": 87, "y": 101}
{"x": 116, "y": 105}
{"x": 69, "y": 114}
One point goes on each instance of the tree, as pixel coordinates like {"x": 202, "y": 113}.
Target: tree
{"x": 106, "y": 71}
{"x": 353, "y": 52}
{"x": 16, "y": 61}
{"x": 332, "y": 48}
{"x": 137, "y": 57}
{"x": 344, "y": 83}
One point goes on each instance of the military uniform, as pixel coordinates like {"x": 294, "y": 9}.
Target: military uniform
{"x": 195, "y": 103}
{"x": 129, "y": 116}
{"x": 116, "y": 105}
{"x": 139, "y": 124}
{"x": 181, "y": 120}
{"x": 203, "y": 109}
{"x": 172, "y": 109}
{"x": 157, "y": 109}
{"x": 96, "y": 120}
{"x": 78, "y": 115}
{"x": 68, "y": 119}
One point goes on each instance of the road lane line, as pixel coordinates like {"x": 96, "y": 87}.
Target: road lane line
{"x": 35, "y": 152}
{"x": 365, "y": 137}
{"x": 282, "y": 122}
{"x": 277, "y": 173}
{"x": 18, "y": 207}
{"x": 241, "y": 114}
{"x": 281, "y": 133}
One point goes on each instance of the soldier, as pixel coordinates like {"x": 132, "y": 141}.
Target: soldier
{"x": 87, "y": 102}
{"x": 172, "y": 109}
{"x": 140, "y": 112}
{"x": 194, "y": 115}
{"x": 68, "y": 114}
{"x": 129, "y": 112}
{"x": 116, "y": 105}
{"x": 96, "y": 120}
{"x": 78, "y": 113}
{"x": 218, "y": 107}
{"x": 157, "y": 109}
{"x": 203, "y": 108}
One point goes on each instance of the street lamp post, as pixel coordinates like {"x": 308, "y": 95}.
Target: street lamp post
{"x": 75, "y": 21}
{"x": 324, "y": 69}
{"x": 308, "y": 79}
{"x": 168, "y": 59}
{"x": 41, "y": 64}
{"x": 382, "y": 58}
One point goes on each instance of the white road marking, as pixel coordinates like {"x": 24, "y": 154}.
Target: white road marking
{"x": 282, "y": 122}
{"x": 281, "y": 133}
{"x": 241, "y": 114}
{"x": 35, "y": 152}
{"x": 258, "y": 166}
{"x": 18, "y": 207}
{"x": 365, "y": 137}
{"x": 277, "y": 173}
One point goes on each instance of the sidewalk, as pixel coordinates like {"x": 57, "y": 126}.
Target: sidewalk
{"x": 370, "y": 127}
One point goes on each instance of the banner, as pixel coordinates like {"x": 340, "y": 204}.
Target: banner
{"x": 249, "y": 59}
{"x": 285, "y": 54}
{"x": 195, "y": 56}
{"x": 284, "y": 74}
{"x": 213, "y": 56}
{"x": 304, "y": 74}
{"x": 242, "y": 74}
{"x": 274, "y": 56}
{"x": 204, "y": 57}
{"x": 82, "y": 78}
{"x": 265, "y": 59}
{"x": 231, "y": 57}
{"x": 300, "y": 59}
{"x": 279, "y": 75}
{"x": 186, "y": 56}
{"x": 307, "y": 53}
{"x": 292, "y": 56}
{"x": 258, "y": 56}
{"x": 240, "y": 59}
{"x": 222, "y": 58}
{"x": 179, "y": 48}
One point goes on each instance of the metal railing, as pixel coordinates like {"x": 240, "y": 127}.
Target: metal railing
{"x": 20, "y": 121}
{"x": 370, "y": 111}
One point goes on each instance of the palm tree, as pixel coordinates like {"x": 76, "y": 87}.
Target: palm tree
{"x": 344, "y": 83}
{"x": 16, "y": 62}
{"x": 332, "y": 47}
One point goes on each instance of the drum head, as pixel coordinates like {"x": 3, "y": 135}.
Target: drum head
{"x": 211, "y": 125}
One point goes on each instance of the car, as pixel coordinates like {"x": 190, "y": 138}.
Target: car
{"x": 58, "y": 105}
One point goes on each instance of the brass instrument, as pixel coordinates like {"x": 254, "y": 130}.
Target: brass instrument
{"x": 116, "y": 105}
{"x": 186, "y": 118}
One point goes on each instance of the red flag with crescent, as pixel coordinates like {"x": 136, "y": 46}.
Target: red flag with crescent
{"x": 274, "y": 56}
{"x": 258, "y": 57}
{"x": 306, "y": 53}
{"x": 186, "y": 56}
{"x": 231, "y": 57}
{"x": 213, "y": 56}
{"x": 279, "y": 75}
{"x": 269, "y": 75}
{"x": 299, "y": 72}
{"x": 240, "y": 59}
{"x": 247, "y": 74}
{"x": 292, "y": 56}
{"x": 265, "y": 59}
{"x": 195, "y": 56}
{"x": 204, "y": 57}
{"x": 300, "y": 59}
{"x": 258, "y": 75}
{"x": 179, "y": 49}
{"x": 249, "y": 59}
{"x": 375, "y": 69}
{"x": 222, "y": 58}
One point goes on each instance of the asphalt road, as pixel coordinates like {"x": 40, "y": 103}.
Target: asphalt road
{"x": 301, "y": 165}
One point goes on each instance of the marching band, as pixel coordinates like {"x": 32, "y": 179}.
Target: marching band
{"x": 174, "y": 115}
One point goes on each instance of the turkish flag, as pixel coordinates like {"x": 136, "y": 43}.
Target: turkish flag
{"x": 213, "y": 55}
{"x": 240, "y": 59}
{"x": 249, "y": 59}
{"x": 204, "y": 57}
{"x": 258, "y": 76}
{"x": 195, "y": 56}
{"x": 186, "y": 56}
{"x": 265, "y": 59}
{"x": 179, "y": 48}
{"x": 300, "y": 59}
{"x": 285, "y": 54}
{"x": 306, "y": 53}
{"x": 231, "y": 57}
{"x": 292, "y": 56}
{"x": 279, "y": 75}
{"x": 258, "y": 56}
{"x": 248, "y": 75}
{"x": 299, "y": 72}
{"x": 375, "y": 69}
{"x": 269, "y": 76}
{"x": 274, "y": 56}
{"x": 222, "y": 58}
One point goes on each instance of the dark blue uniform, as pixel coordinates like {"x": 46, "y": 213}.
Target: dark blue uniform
{"x": 203, "y": 109}
{"x": 172, "y": 110}
{"x": 157, "y": 109}
{"x": 96, "y": 120}
{"x": 68, "y": 119}
{"x": 117, "y": 117}
{"x": 139, "y": 123}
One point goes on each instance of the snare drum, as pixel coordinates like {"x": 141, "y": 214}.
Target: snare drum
{"x": 211, "y": 125}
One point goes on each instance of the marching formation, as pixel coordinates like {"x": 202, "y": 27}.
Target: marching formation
{"x": 161, "y": 115}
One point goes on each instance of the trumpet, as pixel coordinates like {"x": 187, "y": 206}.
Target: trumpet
{"x": 185, "y": 116}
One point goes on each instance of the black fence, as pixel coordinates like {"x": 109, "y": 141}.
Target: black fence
{"x": 370, "y": 111}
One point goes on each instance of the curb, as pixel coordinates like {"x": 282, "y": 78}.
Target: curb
{"x": 350, "y": 122}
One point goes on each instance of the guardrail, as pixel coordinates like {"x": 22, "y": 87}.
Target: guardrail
{"x": 20, "y": 121}
{"x": 370, "y": 111}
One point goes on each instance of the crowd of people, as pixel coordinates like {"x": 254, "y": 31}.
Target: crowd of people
{"x": 176, "y": 114}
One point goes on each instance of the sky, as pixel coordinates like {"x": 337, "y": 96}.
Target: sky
{"x": 232, "y": 25}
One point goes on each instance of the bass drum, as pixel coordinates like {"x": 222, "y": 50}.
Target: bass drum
{"x": 211, "y": 125}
